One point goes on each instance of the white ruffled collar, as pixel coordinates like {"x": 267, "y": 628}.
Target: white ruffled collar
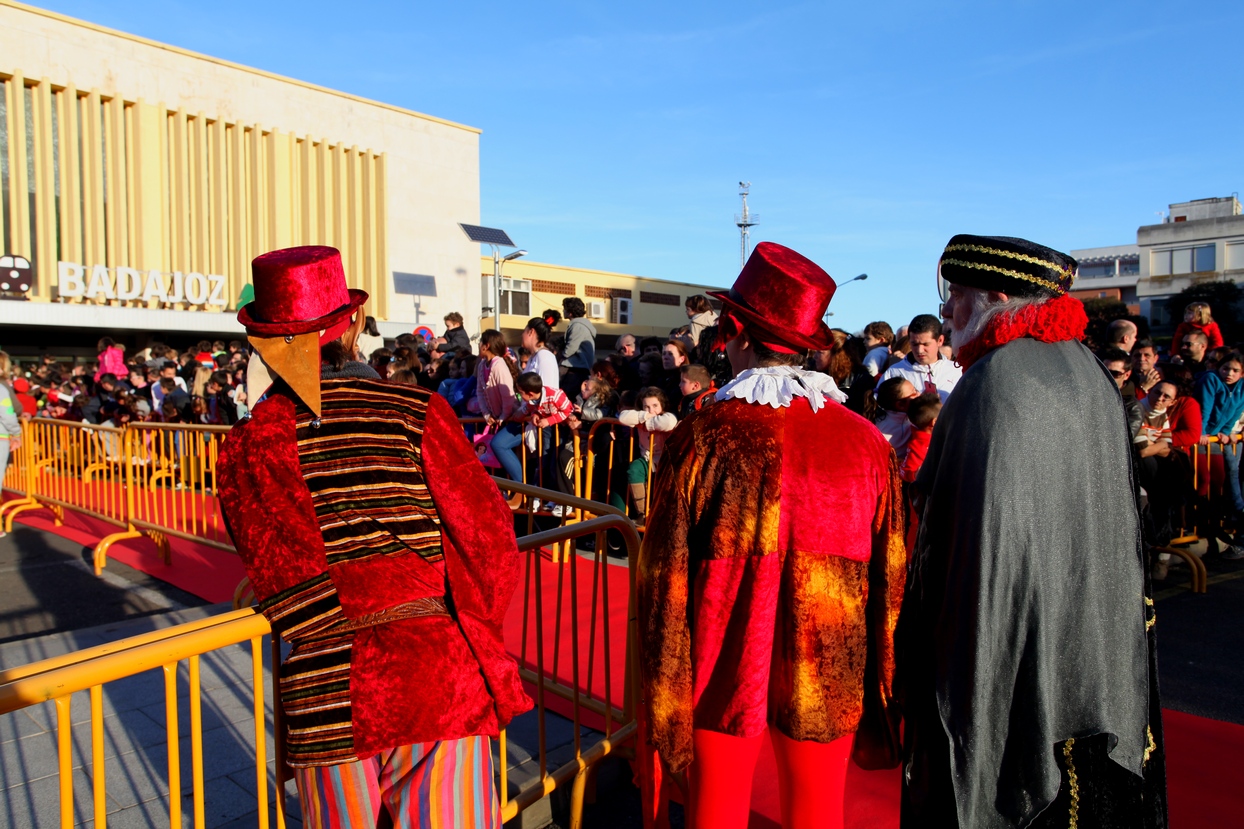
{"x": 777, "y": 386}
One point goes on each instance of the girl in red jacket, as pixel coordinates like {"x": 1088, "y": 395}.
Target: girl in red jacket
{"x": 1197, "y": 318}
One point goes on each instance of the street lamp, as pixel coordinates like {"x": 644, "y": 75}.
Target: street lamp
{"x": 859, "y": 278}
{"x": 498, "y": 264}
{"x": 495, "y": 238}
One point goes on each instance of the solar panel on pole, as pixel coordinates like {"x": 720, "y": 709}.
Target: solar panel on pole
{"x": 487, "y": 235}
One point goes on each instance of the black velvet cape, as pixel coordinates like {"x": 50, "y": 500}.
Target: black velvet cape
{"x": 1024, "y": 624}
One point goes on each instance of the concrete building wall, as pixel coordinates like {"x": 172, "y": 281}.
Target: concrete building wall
{"x": 430, "y": 167}
{"x": 1177, "y": 255}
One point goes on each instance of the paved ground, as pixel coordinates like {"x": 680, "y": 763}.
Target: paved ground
{"x": 52, "y": 603}
{"x": 48, "y": 585}
{"x": 1200, "y": 639}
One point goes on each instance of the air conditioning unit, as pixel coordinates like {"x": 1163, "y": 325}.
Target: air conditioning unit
{"x": 620, "y": 311}
{"x": 596, "y": 310}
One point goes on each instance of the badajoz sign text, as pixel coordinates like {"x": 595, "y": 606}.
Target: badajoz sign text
{"x": 74, "y": 280}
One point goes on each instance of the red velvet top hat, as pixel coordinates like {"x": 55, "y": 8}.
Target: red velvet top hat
{"x": 299, "y": 290}
{"x": 780, "y": 298}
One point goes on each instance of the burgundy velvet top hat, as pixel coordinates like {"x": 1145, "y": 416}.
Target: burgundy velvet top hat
{"x": 299, "y": 290}
{"x": 780, "y": 298}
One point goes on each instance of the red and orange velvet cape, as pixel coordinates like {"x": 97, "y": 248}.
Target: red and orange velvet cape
{"x": 770, "y": 579}
{"x": 379, "y": 504}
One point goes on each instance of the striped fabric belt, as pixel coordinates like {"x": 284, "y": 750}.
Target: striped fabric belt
{"x": 429, "y": 606}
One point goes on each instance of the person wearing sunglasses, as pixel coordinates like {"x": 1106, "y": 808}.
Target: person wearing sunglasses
{"x": 1119, "y": 365}
{"x": 1023, "y": 647}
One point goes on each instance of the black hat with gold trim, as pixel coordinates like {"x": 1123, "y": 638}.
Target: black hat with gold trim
{"x": 1012, "y": 266}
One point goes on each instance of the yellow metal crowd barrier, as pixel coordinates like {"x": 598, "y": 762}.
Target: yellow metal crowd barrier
{"x": 153, "y": 479}
{"x": 58, "y": 679}
{"x": 1200, "y": 520}
{"x": 159, "y": 480}
{"x": 614, "y": 720}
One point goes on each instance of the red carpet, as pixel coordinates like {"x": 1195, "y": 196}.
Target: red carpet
{"x": 1204, "y": 771}
{"x": 1205, "y": 758}
{"x": 581, "y": 584}
{"x": 1204, "y": 766}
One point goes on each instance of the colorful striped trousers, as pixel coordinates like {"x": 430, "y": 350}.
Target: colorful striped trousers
{"x": 442, "y": 785}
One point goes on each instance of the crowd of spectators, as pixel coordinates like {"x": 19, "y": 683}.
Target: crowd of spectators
{"x": 541, "y": 392}
{"x": 202, "y": 384}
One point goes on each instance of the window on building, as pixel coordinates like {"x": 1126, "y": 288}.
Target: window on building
{"x": 655, "y": 298}
{"x": 516, "y": 297}
{"x": 1235, "y": 256}
{"x": 1160, "y": 312}
{"x": 1160, "y": 263}
{"x": 1181, "y": 260}
{"x": 1097, "y": 269}
{"x": 1129, "y": 267}
{"x": 1203, "y": 258}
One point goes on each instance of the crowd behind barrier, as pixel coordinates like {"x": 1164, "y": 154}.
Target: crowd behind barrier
{"x": 147, "y": 428}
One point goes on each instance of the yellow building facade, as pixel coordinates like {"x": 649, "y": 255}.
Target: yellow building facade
{"x": 140, "y": 179}
{"x": 616, "y": 303}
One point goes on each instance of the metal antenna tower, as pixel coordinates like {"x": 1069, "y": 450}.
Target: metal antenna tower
{"x": 746, "y": 221}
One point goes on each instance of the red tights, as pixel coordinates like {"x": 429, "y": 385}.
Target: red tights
{"x": 811, "y": 779}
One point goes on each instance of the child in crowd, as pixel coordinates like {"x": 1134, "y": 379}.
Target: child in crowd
{"x": 27, "y": 406}
{"x": 652, "y": 423}
{"x": 888, "y": 409}
{"x": 696, "y": 388}
{"x": 405, "y": 377}
{"x": 111, "y": 359}
{"x": 198, "y": 409}
{"x": 1197, "y": 317}
{"x": 1221, "y": 395}
{"x": 596, "y": 400}
{"x": 877, "y": 339}
{"x": 542, "y": 407}
{"x": 922, "y": 414}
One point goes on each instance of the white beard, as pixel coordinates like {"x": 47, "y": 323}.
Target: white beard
{"x": 981, "y": 312}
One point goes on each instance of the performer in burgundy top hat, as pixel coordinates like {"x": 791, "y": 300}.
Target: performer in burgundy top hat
{"x": 377, "y": 546}
{"x": 772, "y": 568}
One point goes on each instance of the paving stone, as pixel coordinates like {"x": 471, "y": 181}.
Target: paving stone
{"x": 18, "y": 725}
{"x": 36, "y": 805}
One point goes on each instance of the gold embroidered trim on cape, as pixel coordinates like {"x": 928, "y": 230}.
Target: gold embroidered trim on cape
{"x": 1075, "y": 783}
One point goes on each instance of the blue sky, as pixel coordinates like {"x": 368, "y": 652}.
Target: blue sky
{"x": 615, "y": 134}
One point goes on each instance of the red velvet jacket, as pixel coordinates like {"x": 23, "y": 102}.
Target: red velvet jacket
{"x": 381, "y": 504}
{"x": 770, "y": 579}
